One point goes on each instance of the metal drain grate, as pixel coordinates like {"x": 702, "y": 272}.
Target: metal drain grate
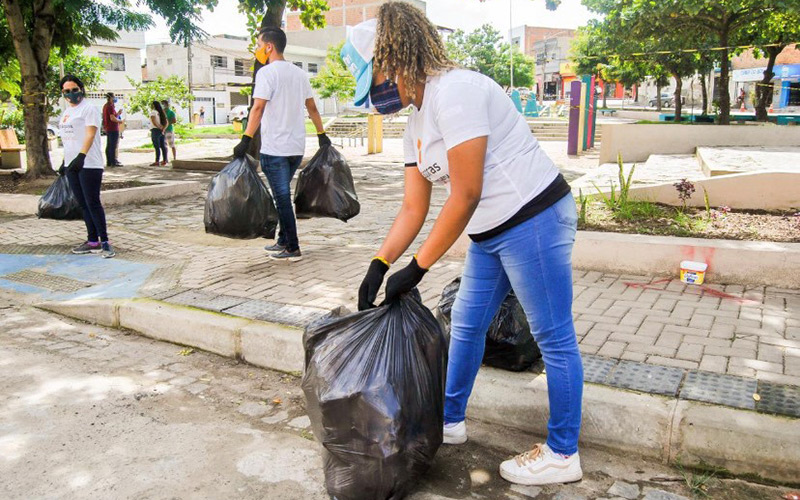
{"x": 47, "y": 281}
{"x": 643, "y": 377}
{"x": 720, "y": 389}
{"x": 780, "y": 399}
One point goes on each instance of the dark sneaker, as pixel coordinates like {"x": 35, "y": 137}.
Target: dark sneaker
{"x": 275, "y": 248}
{"x": 287, "y": 255}
{"x": 108, "y": 251}
{"x": 87, "y": 247}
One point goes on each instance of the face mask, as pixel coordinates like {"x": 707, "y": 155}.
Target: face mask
{"x": 74, "y": 96}
{"x": 115, "y": 100}
{"x": 386, "y": 98}
{"x": 262, "y": 54}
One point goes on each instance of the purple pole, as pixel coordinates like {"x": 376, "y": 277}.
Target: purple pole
{"x": 574, "y": 117}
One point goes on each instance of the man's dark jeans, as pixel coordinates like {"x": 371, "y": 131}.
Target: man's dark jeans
{"x": 112, "y": 138}
{"x": 279, "y": 171}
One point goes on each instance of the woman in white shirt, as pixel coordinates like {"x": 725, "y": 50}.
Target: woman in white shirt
{"x": 517, "y": 209}
{"x": 79, "y": 125}
{"x": 158, "y": 123}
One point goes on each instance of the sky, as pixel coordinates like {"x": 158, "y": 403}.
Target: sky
{"x": 465, "y": 14}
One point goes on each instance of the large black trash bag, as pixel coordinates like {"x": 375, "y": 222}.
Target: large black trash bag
{"x": 58, "y": 202}
{"x": 509, "y": 342}
{"x": 238, "y": 204}
{"x": 374, "y": 386}
{"x": 325, "y": 187}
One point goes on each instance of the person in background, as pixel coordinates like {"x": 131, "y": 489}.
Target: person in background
{"x": 122, "y": 125}
{"x": 111, "y": 123}
{"x": 80, "y": 133}
{"x": 169, "y": 132}
{"x": 504, "y": 192}
{"x": 281, "y": 91}
{"x": 202, "y": 115}
{"x": 158, "y": 123}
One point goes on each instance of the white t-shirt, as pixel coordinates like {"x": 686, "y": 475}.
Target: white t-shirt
{"x": 73, "y": 123}
{"x": 155, "y": 117}
{"x": 460, "y": 105}
{"x": 283, "y": 125}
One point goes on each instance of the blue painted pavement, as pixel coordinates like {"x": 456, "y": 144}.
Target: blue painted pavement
{"x": 111, "y": 278}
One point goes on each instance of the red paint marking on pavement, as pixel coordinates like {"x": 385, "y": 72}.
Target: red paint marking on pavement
{"x": 699, "y": 290}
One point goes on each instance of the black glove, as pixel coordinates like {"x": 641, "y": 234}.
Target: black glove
{"x": 403, "y": 281}
{"x": 323, "y": 139}
{"x": 76, "y": 165}
{"x": 62, "y": 170}
{"x": 241, "y": 149}
{"x": 372, "y": 284}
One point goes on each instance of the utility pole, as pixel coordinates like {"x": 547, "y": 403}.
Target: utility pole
{"x": 189, "y": 79}
{"x": 511, "y": 41}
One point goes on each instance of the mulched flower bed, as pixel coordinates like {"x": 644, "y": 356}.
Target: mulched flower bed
{"x": 11, "y": 185}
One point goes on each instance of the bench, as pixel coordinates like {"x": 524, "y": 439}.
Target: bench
{"x": 788, "y": 120}
{"x": 10, "y": 149}
{"x": 611, "y": 112}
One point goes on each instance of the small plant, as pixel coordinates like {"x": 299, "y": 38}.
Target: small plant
{"x": 685, "y": 189}
{"x": 611, "y": 201}
{"x": 708, "y": 204}
{"x": 582, "y": 200}
{"x": 697, "y": 483}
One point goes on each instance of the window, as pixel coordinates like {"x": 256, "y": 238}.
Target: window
{"x": 169, "y": 62}
{"x": 219, "y": 62}
{"x": 113, "y": 61}
{"x": 312, "y": 68}
{"x": 155, "y": 62}
{"x": 298, "y": 64}
{"x": 241, "y": 67}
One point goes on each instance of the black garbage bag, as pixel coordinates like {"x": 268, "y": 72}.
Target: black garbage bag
{"x": 509, "y": 342}
{"x": 325, "y": 187}
{"x": 238, "y": 204}
{"x": 58, "y": 202}
{"x": 374, "y": 387}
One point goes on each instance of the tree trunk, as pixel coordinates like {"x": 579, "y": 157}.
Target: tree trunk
{"x": 724, "y": 76}
{"x": 32, "y": 46}
{"x": 704, "y": 91}
{"x": 605, "y": 94}
{"x": 272, "y": 18}
{"x": 764, "y": 87}
{"x": 677, "y": 96}
{"x": 658, "y": 96}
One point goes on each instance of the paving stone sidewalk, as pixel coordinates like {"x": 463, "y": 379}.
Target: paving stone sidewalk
{"x": 750, "y": 332}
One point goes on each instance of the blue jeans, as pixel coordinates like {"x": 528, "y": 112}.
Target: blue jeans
{"x": 279, "y": 171}
{"x": 535, "y": 259}
{"x": 85, "y": 186}
{"x": 159, "y": 144}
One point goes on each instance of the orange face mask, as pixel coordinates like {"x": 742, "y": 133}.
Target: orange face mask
{"x": 262, "y": 54}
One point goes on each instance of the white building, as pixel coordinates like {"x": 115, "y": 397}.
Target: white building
{"x": 221, "y": 69}
{"x": 123, "y": 60}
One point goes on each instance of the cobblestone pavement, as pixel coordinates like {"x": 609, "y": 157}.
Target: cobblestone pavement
{"x": 90, "y": 412}
{"x": 743, "y": 331}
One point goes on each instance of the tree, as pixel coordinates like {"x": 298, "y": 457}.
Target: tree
{"x": 334, "y": 79}
{"x": 172, "y": 88}
{"x": 524, "y": 67}
{"x": 773, "y": 34}
{"x": 36, "y": 27}
{"x": 89, "y": 69}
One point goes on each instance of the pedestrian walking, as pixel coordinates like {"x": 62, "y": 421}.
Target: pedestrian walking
{"x": 158, "y": 123}
{"x": 281, "y": 91}
{"x": 111, "y": 123}
{"x": 169, "y": 132}
{"x": 80, "y": 133}
{"x": 505, "y": 192}
{"x": 202, "y": 115}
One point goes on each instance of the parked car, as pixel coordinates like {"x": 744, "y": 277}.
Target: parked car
{"x": 666, "y": 100}
{"x": 237, "y": 113}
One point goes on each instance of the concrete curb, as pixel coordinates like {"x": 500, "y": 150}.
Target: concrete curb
{"x": 729, "y": 261}
{"x": 28, "y": 204}
{"x": 743, "y": 442}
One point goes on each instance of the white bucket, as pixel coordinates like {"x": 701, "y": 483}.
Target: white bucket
{"x": 693, "y": 273}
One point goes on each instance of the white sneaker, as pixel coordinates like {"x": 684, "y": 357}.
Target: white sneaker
{"x": 455, "y": 433}
{"x": 541, "y": 466}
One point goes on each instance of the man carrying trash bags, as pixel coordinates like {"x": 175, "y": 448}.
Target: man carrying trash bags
{"x": 281, "y": 91}
{"x": 378, "y": 430}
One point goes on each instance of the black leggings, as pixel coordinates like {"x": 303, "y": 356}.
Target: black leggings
{"x": 159, "y": 143}
{"x": 85, "y": 186}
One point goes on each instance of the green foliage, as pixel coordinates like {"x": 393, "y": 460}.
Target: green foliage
{"x": 707, "y": 203}
{"x": 612, "y": 201}
{"x": 334, "y": 79}
{"x": 312, "y": 12}
{"x": 173, "y": 89}
{"x": 13, "y": 118}
{"x": 582, "y": 202}
{"x": 482, "y": 51}
{"x": 88, "y": 68}
{"x": 182, "y": 129}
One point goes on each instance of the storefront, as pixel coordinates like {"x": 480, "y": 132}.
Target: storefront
{"x": 786, "y": 84}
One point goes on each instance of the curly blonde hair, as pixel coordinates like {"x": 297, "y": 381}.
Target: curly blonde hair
{"x": 408, "y": 44}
